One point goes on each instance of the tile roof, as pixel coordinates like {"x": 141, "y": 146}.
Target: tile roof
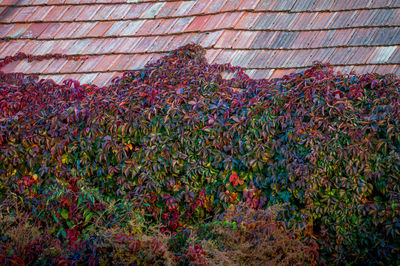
{"x": 268, "y": 37}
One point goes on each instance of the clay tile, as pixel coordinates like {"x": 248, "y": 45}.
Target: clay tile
{"x": 227, "y": 39}
{"x": 18, "y": 30}
{"x": 45, "y": 47}
{"x": 72, "y": 13}
{"x": 198, "y": 23}
{"x": 161, "y": 44}
{"x": 285, "y": 5}
{"x": 40, "y": 13}
{"x": 168, "y": 9}
{"x": 4, "y": 29}
{"x": 105, "y": 12}
{"x": 199, "y": 7}
{"x": 106, "y": 62}
{"x": 120, "y": 11}
{"x": 66, "y": 30}
{"x": 103, "y": 79}
{"x": 22, "y": 14}
{"x": 247, "y": 20}
{"x": 152, "y": 10}
{"x": 51, "y": 30}
{"x": 184, "y": 8}
{"x": 148, "y": 26}
{"x": 211, "y": 38}
{"x": 245, "y": 39}
{"x": 265, "y": 21}
{"x": 302, "y": 6}
{"x": 215, "y": 6}
{"x": 121, "y": 62}
{"x": 384, "y": 36}
{"x": 88, "y": 12}
{"x": 164, "y": 26}
{"x": 395, "y": 57}
{"x": 131, "y": 28}
{"x": 265, "y": 5}
{"x": 89, "y": 64}
{"x": 230, "y": 19}
{"x": 248, "y": 4}
{"x": 231, "y": 5}
{"x": 302, "y": 20}
{"x": 82, "y": 29}
{"x": 128, "y": 44}
{"x": 136, "y": 10}
{"x": 181, "y": 25}
{"x": 144, "y": 44}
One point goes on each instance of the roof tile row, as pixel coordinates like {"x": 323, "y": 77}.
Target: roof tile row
{"x": 236, "y": 20}
{"x": 245, "y": 58}
{"x": 99, "y": 12}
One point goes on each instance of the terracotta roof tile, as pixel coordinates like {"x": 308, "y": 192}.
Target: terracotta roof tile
{"x": 22, "y": 14}
{"x": 230, "y": 19}
{"x": 119, "y": 12}
{"x": 136, "y": 10}
{"x": 245, "y": 39}
{"x": 106, "y": 62}
{"x": 382, "y": 54}
{"x": 152, "y": 10}
{"x": 224, "y": 56}
{"x": 181, "y": 24}
{"x": 362, "y": 18}
{"x": 10, "y": 48}
{"x": 247, "y": 20}
{"x": 227, "y": 39}
{"x": 44, "y": 48}
{"x": 362, "y": 37}
{"x": 231, "y": 5}
{"x": 215, "y": 6}
{"x": 302, "y": 20}
{"x": 4, "y": 29}
{"x": 72, "y": 66}
{"x": 395, "y": 57}
{"x": 284, "y": 21}
{"x": 261, "y": 57}
{"x": 100, "y": 29}
{"x": 184, "y": 8}
{"x": 88, "y": 12}
{"x": 361, "y": 55}
{"x": 199, "y": 7}
{"x": 211, "y": 54}
{"x": 56, "y": 13}
{"x": 103, "y": 78}
{"x": 265, "y": 21}
{"x": 131, "y": 28}
{"x": 262, "y": 39}
{"x": 322, "y": 20}
{"x": 17, "y": 31}
{"x": 55, "y": 66}
{"x": 161, "y": 44}
{"x": 66, "y": 30}
{"x": 210, "y": 39}
{"x": 286, "y": 5}
{"x": 213, "y": 22}
{"x": 198, "y": 23}
{"x": 248, "y": 4}
{"x": 168, "y": 9}
{"x": 266, "y": 5}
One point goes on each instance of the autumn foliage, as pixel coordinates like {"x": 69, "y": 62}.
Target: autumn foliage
{"x": 155, "y": 168}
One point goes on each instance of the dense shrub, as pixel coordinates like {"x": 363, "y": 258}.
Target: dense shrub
{"x": 177, "y": 145}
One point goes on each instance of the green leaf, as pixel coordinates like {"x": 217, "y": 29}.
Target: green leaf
{"x": 64, "y": 213}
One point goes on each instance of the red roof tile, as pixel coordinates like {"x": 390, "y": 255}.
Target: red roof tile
{"x": 269, "y": 37}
